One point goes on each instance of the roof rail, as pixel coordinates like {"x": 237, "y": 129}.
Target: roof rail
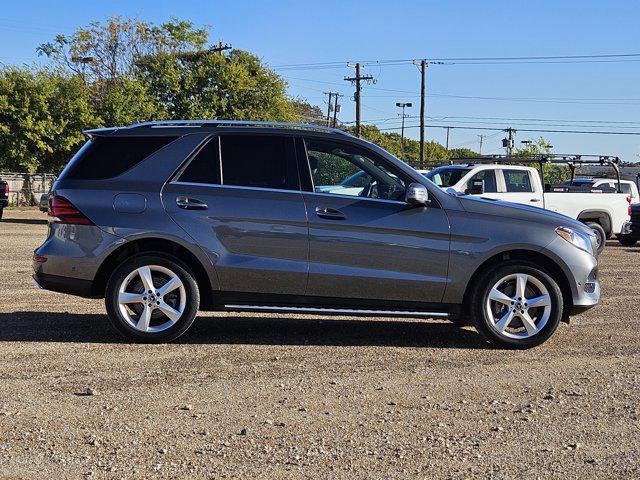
{"x": 236, "y": 123}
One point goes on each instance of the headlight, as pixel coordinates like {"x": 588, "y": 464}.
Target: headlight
{"x": 580, "y": 240}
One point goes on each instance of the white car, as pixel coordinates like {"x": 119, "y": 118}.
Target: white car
{"x": 605, "y": 213}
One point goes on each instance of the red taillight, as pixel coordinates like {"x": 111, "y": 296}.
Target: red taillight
{"x": 629, "y": 210}
{"x": 62, "y": 210}
{"x": 628, "y": 199}
{"x": 39, "y": 259}
{"x": 6, "y": 189}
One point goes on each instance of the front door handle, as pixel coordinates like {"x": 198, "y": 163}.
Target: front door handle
{"x": 190, "y": 203}
{"x": 535, "y": 199}
{"x": 330, "y": 213}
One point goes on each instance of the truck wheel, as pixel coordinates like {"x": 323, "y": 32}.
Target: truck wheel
{"x": 601, "y": 236}
{"x": 152, "y": 298}
{"x": 516, "y": 305}
{"x": 627, "y": 240}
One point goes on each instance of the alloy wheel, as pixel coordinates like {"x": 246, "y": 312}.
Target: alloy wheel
{"x": 518, "y": 306}
{"x": 152, "y": 298}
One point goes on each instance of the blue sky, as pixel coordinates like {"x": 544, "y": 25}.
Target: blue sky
{"x": 578, "y": 96}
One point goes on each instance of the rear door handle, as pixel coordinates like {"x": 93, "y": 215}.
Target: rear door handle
{"x": 190, "y": 203}
{"x": 330, "y": 213}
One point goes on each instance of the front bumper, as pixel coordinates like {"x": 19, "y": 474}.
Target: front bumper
{"x": 581, "y": 271}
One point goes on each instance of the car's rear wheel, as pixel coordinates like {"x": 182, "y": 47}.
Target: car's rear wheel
{"x": 1, "y": 212}
{"x": 601, "y": 236}
{"x": 152, "y": 298}
{"x": 517, "y": 305}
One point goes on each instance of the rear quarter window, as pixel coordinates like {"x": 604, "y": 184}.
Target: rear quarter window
{"x": 108, "y": 157}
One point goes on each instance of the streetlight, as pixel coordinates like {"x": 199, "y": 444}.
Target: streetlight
{"x": 403, "y": 105}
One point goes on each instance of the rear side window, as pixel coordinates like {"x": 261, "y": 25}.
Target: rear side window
{"x": 259, "y": 161}
{"x": 108, "y": 157}
{"x": 517, "y": 181}
{"x": 489, "y": 179}
{"x": 205, "y": 165}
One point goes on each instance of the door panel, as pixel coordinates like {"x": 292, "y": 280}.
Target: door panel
{"x": 520, "y": 187}
{"x": 376, "y": 249}
{"x": 256, "y": 238}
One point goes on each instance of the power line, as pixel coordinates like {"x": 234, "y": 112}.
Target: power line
{"x": 592, "y": 58}
{"x": 592, "y": 132}
{"x": 561, "y": 100}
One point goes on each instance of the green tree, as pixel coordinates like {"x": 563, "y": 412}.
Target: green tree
{"x": 111, "y": 49}
{"x": 42, "y": 115}
{"x": 210, "y": 85}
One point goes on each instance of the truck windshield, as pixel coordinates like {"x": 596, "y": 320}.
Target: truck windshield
{"x": 446, "y": 176}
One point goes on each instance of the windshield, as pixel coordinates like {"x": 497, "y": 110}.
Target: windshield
{"x": 446, "y": 176}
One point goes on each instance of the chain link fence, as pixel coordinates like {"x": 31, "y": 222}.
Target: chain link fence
{"x": 25, "y": 189}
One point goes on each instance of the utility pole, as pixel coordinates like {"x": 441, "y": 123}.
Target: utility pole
{"x": 336, "y": 108}
{"x": 447, "y": 147}
{"x": 509, "y": 142}
{"x": 357, "y": 79}
{"x": 423, "y": 74}
{"x": 481, "y": 139}
{"x": 329, "y": 107}
{"x": 403, "y": 105}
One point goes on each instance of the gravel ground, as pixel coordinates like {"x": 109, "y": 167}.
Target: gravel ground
{"x": 282, "y": 396}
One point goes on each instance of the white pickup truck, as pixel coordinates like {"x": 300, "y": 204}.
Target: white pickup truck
{"x": 604, "y": 211}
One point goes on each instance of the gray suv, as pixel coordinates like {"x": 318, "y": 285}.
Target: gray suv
{"x": 165, "y": 218}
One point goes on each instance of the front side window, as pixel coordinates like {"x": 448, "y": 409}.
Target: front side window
{"x": 350, "y": 170}
{"x": 262, "y": 161}
{"x": 489, "y": 179}
{"x": 517, "y": 181}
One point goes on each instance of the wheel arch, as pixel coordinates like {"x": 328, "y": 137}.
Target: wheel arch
{"x": 599, "y": 216}
{"x": 546, "y": 263}
{"x": 155, "y": 245}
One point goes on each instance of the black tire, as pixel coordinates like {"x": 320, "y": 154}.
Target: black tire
{"x": 627, "y": 240}
{"x": 601, "y": 236}
{"x": 480, "y": 295}
{"x": 191, "y": 292}
{"x": 1, "y": 212}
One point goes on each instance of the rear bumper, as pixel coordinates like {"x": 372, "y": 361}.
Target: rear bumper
{"x": 71, "y": 286}
{"x": 631, "y": 229}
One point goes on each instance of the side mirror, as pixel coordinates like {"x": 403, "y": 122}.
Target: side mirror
{"x": 417, "y": 194}
{"x": 476, "y": 188}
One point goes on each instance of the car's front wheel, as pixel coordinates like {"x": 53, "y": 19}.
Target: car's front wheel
{"x": 517, "y": 305}
{"x": 152, "y": 298}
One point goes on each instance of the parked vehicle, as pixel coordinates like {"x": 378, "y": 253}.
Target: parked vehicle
{"x": 4, "y": 196}
{"x": 605, "y": 213}
{"x": 629, "y": 188}
{"x": 631, "y": 230}
{"x": 164, "y": 218}
{"x": 43, "y": 204}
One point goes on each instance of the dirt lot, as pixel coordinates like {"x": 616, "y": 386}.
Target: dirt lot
{"x": 307, "y": 397}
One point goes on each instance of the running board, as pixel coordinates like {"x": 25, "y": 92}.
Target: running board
{"x": 336, "y": 311}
